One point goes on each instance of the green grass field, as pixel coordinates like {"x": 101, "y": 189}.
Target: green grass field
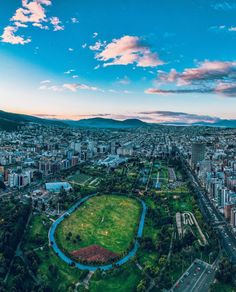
{"x": 80, "y": 178}
{"x": 108, "y": 220}
{"x": 123, "y": 280}
{"x": 37, "y": 233}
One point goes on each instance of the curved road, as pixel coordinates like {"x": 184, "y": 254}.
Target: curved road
{"x": 67, "y": 260}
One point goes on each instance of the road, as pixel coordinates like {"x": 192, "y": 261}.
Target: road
{"x": 198, "y": 277}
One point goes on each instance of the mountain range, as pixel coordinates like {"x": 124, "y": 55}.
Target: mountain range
{"x": 12, "y": 121}
{"x": 106, "y": 123}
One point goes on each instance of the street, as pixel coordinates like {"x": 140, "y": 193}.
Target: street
{"x": 198, "y": 277}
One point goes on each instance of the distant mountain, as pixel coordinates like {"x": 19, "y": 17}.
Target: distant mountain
{"x": 11, "y": 121}
{"x": 219, "y": 123}
{"x": 106, "y": 123}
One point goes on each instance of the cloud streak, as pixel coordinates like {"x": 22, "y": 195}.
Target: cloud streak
{"x": 224, "y": 6}
{"x": 180, "y": 117}
{"x": 155, "y": 116}
{"x": 208, "y": 77}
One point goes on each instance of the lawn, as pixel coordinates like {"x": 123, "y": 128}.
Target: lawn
{"x": 37, "y": 232}
{"x": 80, "y": 178}
{"x": 123, "y": 280}
{"x": 110, "y": 221}
{"x": 67, "y": 276}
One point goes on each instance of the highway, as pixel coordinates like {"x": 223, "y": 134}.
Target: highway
{"x": 198, "y": 277}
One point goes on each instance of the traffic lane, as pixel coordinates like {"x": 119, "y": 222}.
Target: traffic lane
{"x": 227, "y": 237}
{"x": 188, "y": 281}
{"x": 190, "y": 277}
{"x": 205, "y": 281}
{"x": 228, "y": 244}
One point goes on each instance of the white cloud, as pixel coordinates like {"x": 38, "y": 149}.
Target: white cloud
{"x": 41, "y": 26}
{"x": 69, "y": 71}
{"x": 55, "y": 21}
{"x": 124, "y": 81}
{"x": 128, "y": 50}
{"x": 45, "y": 81}
{"x": 97, "y": 46}
{"x": 19, "y": 24}
{"x": 55, "y": 88}
{"x": 232, "y": 28}
{"x": 74, "y": 86}
{"x": 74, "y": 20}
{"x": 9, "y": 36}
{"x": 31, "y": 12}
{"x": 96, "y": 67}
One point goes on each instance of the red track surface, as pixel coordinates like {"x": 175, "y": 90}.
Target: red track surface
{"x": 94, "y": 253}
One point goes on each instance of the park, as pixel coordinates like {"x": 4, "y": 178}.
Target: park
{"x": 99, "y": 229}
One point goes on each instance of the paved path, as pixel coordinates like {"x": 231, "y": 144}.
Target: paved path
{"x": 67, "y": 260}
{"x": 87, "y": 279}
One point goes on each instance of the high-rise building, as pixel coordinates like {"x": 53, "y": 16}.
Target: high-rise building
{"x": 233, "y": 217}
{"x": 198, "y": 152}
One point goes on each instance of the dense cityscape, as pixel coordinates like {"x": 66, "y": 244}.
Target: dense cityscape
{"x": 117, "y": 146}
{"x": 46, "y": 168}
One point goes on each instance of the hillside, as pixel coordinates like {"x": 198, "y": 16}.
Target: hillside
{"x": 12, "y": 121}
{"x": 107, "y": 123}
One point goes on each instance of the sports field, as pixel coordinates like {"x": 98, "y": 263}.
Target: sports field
{"x": 109, "y": 221}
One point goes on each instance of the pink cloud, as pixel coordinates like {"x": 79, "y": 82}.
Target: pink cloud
{"x": 208, "y": 77}
{"x": 128, "y": 50}
{"x": 55, "y": 21}
{"x": 33, "y": 12}
{"x": 228, "y": 89}
{"x": 207, "y": 70}
{"x": 9, "y": 36}
{"x": 97, "y": 46}
{"x": 156, "y": 91}
{"x": 74, "y": 86}
{"x": 19, "y": 24}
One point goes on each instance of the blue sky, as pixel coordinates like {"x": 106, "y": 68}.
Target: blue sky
{"x": 146, "y": 59}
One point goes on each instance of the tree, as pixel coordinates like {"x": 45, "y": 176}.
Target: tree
{"x": 142, "y": 285}
{"x": 2, "y": 185}
{"x": 225, "y": 272}
{"x": 53, "y": 270}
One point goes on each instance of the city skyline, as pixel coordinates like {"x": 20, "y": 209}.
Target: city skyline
{"x": 155, "y": 61}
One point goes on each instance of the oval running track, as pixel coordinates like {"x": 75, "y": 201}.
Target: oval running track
{"x": 66, "y": 259}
